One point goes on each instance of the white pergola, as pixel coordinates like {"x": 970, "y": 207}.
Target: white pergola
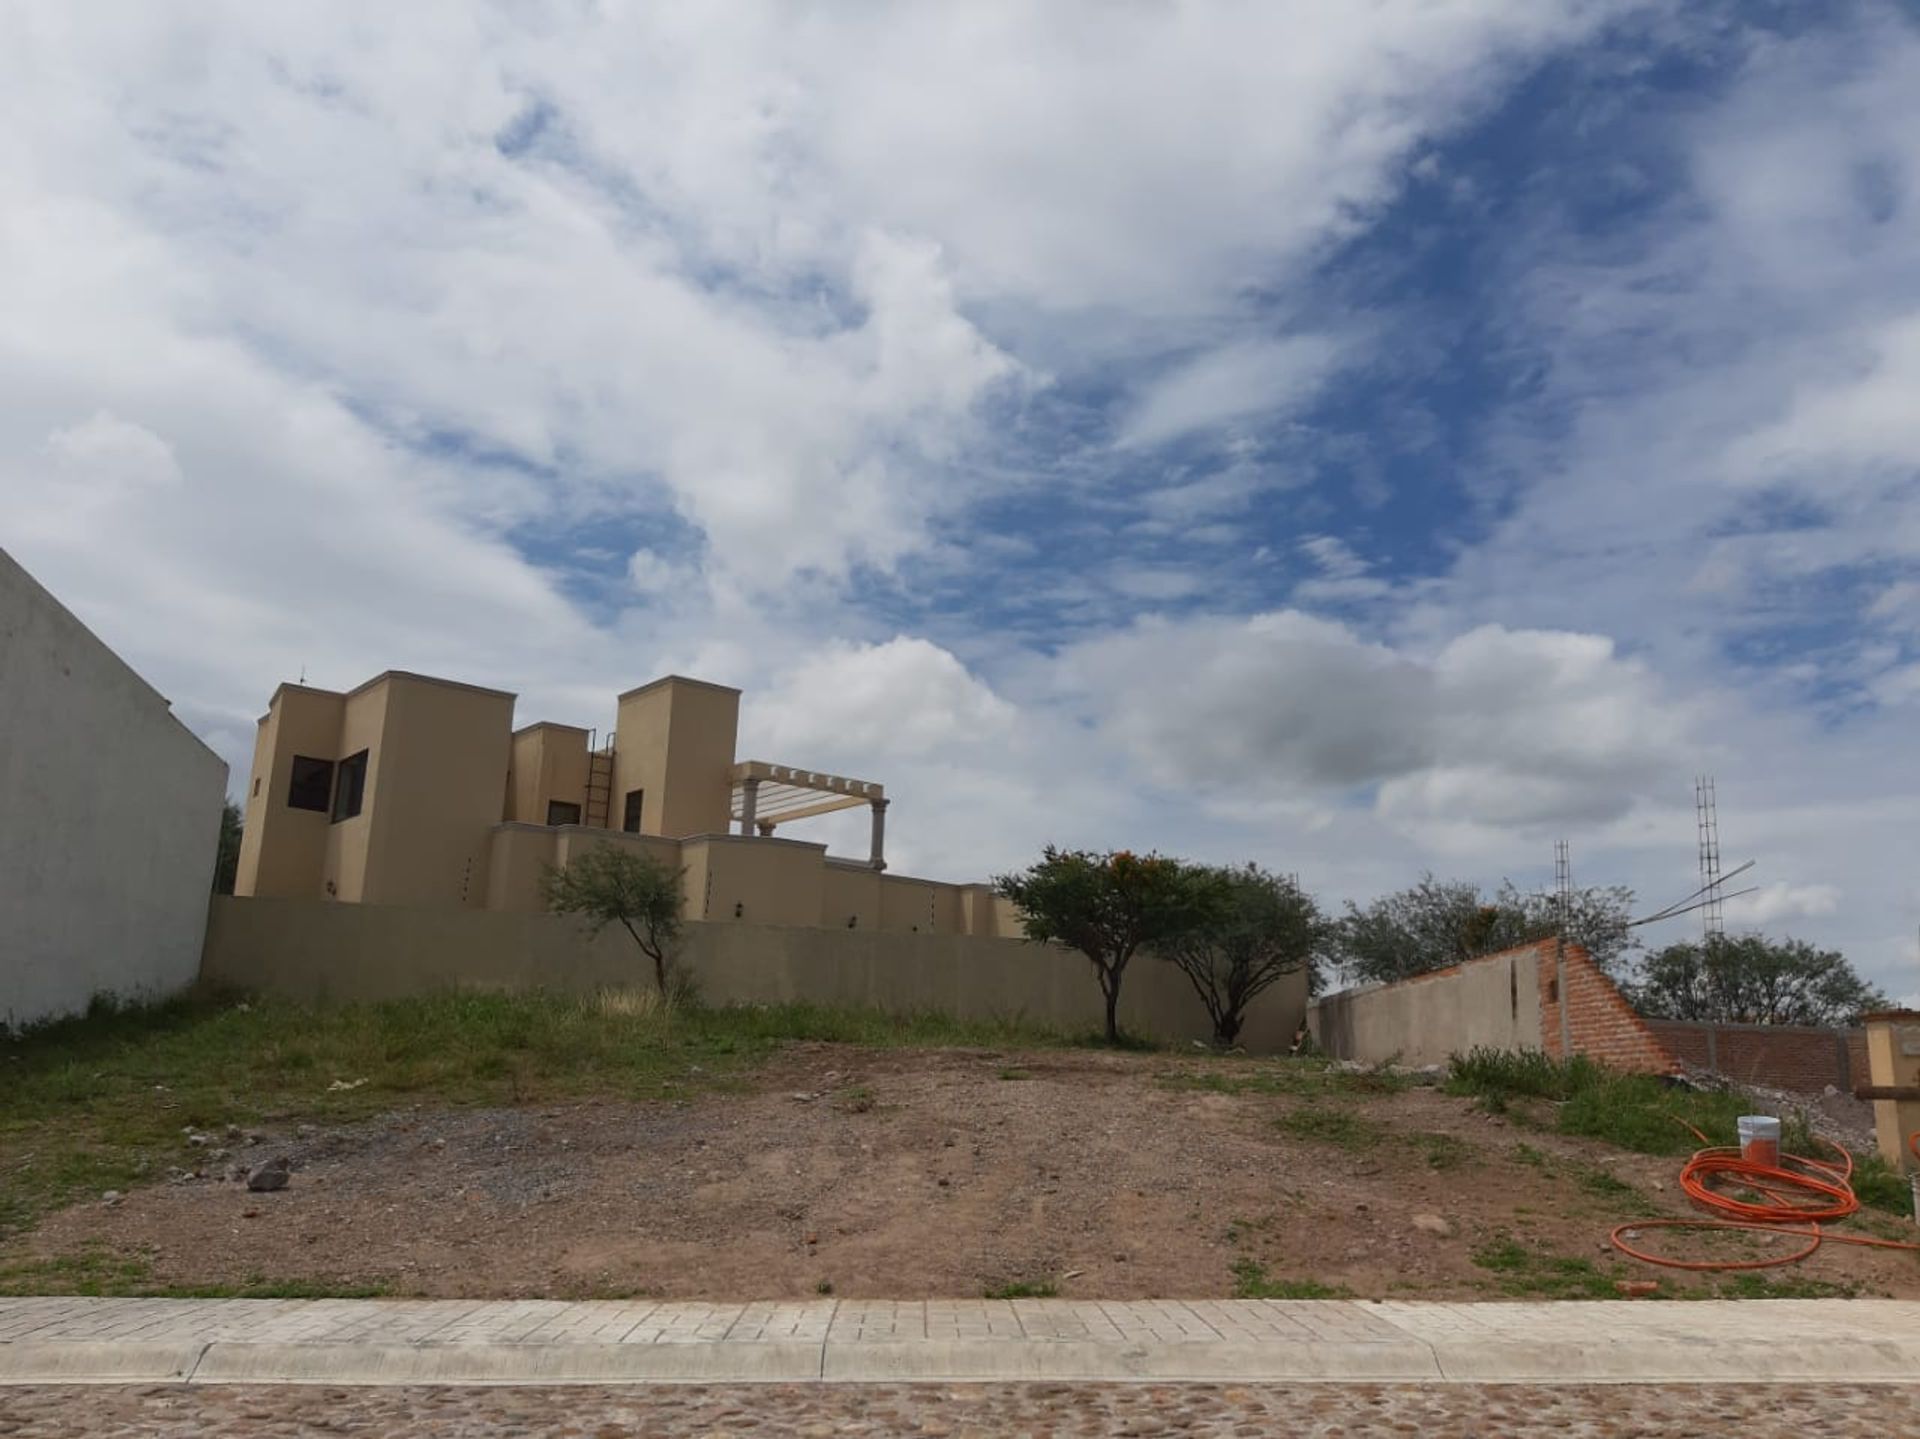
{"x": 768, "y": 795}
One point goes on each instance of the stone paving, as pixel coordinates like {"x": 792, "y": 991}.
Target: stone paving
{"x": 817, "y": 1411}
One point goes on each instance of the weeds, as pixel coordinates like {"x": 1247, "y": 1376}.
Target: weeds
{"x": 1602, "y": 1184}
{"x": 96, "y": 1272}
{"x": 1882, "y": 1186}
{"x": 1301, "y": 1078}
{"x": 1025, "y": 1289}
{"x": 1250, "y": 1281}
{"x": 99, "y": 1102}
{"x": 1530, "y": 1273}
{"x": 1339, "y": 1127}
{"x": 1641, "y": 1112}
{"x": 1443, "y": 1151}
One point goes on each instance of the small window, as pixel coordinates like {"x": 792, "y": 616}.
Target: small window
{"x": 312, "y": 784}
{"x": 256, "y": 786}
{"x": 630, "y": 820}
{"x": 560, "y": 812}
{"x": 352, "y": 787}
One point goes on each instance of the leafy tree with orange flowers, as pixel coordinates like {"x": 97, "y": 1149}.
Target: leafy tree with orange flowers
{"x": 1111, "y": 906}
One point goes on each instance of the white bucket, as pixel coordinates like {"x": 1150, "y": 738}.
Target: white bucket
{"x": 1760, "y": 1139}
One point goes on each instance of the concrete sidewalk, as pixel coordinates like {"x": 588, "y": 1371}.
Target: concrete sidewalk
{"x": 343, "y": 1342}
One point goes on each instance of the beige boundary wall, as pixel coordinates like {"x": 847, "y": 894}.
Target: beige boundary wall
{"x": 1510, "y": 1000}
{"x": 1493, "y": 1001}
{"x": 316, "y": 951}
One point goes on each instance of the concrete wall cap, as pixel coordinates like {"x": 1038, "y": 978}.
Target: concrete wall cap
{"x": 412, "y": 677}
{"x": 678, "y": 680}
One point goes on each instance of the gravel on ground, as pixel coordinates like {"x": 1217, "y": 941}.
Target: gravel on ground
{"x": 1198, "y": 1411}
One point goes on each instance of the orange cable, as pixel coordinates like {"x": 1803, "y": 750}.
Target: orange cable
{"x": 1799, "y": 1198}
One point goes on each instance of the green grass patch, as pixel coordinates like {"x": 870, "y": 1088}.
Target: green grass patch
{"x": 100, "y": 1102}
{"x": 1025, "y": 1289}
{"x": 1299, "y": 1078}
{"x": 1250, "y": 1281}
{"x": 97, "y": 1272}
{"x": 1327, "y": 1125}
{"x": 1443, "y": 1151}
{"x": 1753, "y": 1285}
{"x": 1641, "y": 1112}
{"x": 1602, "y": 1184}
{"x": 1881, "y": 1186}
{"x": 1524, "y": 1153}
{"x": 1535, "y": 1274}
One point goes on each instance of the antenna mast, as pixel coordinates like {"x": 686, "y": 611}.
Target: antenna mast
{"x": 1707, "y": 824}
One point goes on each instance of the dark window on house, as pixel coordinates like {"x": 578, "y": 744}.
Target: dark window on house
{"x": 312, "y": 784}
{"x": 630, "y": 820}
{"x": 560, "y": 812}
{"x": 352, "y": 787}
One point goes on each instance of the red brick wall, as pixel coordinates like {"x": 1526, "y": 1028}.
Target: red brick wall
{"x": 1781, "y": 1055}
{"x": 1601, "y": 1024}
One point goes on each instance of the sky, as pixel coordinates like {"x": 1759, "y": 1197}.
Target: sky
{"x": 1363, "y": 438}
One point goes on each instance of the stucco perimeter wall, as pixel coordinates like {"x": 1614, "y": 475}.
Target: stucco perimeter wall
{"x": 109, "y": 818}
{"x": 337, "y": 953}
{"x": 1492, "y": 1001}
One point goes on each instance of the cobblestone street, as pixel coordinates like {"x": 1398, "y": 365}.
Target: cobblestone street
{"x": 1429, "y": 1411}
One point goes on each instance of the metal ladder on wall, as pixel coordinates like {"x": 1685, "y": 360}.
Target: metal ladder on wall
{"x": 599, "y": 781}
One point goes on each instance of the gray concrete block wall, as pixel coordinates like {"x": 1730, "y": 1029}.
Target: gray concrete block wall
{"x": 109, "y": 819}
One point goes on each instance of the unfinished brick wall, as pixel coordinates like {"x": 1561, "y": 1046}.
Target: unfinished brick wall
{"x": 1600, "y": 1022}
{"x": 1784, "y": 1056}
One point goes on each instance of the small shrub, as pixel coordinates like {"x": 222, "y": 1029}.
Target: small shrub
{"x": 1025, "y": 1289}
{"x": 1511, "y": 1073}
{"x": 1881, "y": 1186}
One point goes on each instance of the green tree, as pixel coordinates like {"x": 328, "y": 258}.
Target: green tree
{"x": 1437, "y": 923}
{"x": 1750, "y": 979}
{"x": 1110, "y": 907}
{"x": 610, "y": 884}
{"x": 226, "y": 858}
{"x": 1265, "y": 927}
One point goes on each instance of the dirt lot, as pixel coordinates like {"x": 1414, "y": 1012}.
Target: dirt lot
{"x": 908, "y": 1173}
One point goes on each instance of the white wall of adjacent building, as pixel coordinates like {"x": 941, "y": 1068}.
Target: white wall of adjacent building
{"x": 109, "y": 819}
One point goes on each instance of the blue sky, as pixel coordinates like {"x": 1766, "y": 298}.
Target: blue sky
{"x": 1364, "y": 439}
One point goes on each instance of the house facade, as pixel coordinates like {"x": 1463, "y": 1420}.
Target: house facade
{"x": 413, "y": 790}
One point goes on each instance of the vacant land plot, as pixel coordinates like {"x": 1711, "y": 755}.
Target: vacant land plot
{"x": 599, "y": 1153}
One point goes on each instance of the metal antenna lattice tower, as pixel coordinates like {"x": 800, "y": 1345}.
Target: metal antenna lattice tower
{"x": 1562, "y": 882}
{"x": 1707, "y": 823}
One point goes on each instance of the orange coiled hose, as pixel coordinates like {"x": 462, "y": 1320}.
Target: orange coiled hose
{"x": 1797, "y": 1194}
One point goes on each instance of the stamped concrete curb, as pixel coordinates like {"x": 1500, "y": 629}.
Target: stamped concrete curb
{"x": 545, "y": 1342}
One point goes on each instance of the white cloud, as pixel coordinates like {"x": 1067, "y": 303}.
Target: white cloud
{"x": 1772, "y": 903}
{"x": 344, "y": 346}
{"x": 905, "y": 698}
{"x": 1496, "y": 728}
{"x": 1249, "y": 378}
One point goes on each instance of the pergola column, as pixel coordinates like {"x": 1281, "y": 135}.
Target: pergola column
{"x": 879, "y": 854}
{"x": 749, "y": 802}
